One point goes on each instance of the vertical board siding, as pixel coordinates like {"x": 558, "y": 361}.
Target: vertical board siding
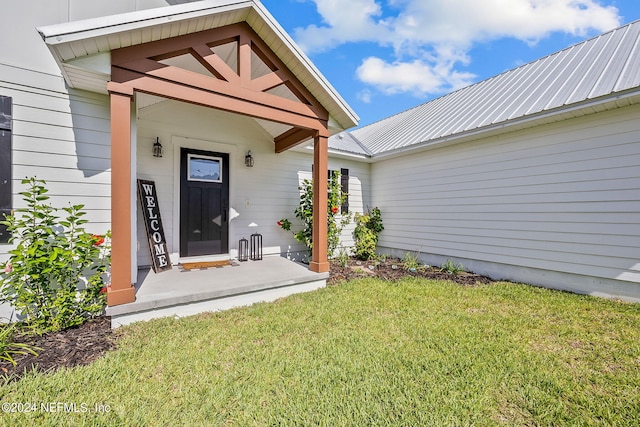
{"x": 561, "y": 197}
{"x": 61, "y": 136}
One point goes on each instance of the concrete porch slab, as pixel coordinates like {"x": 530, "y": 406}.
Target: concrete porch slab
{"x": 182, "y": 293}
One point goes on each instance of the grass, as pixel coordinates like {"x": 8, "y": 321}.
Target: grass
{"x": 368, "y": 352}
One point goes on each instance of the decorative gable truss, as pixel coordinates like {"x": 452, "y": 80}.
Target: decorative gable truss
{"x": 228, "y": 68}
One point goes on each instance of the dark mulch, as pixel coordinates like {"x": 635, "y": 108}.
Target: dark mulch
{"x": 67, "y": 348}
{"x": 393, "y": 269}
{"x": 84, "y": 344}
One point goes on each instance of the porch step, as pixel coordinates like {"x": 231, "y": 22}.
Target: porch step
{"x": 184, "y": 293}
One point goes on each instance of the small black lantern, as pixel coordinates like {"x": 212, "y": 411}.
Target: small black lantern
{"x": 157, "y": 148}
{"x": 243, "y": 250}
{"x": 248, "y": 160}
{"x": 256, "y": 247}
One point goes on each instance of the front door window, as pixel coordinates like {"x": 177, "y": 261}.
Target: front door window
{"x": 204, "y": 168}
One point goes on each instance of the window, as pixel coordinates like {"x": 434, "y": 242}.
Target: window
{"x": 5, "y": 163}
{"x": 344, "y": 183}
{"x": 204, "y": 168}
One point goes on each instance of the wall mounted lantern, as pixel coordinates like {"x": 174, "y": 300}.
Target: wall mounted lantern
{"x": 248, "y": 160}
{"x": 157, "y": 148}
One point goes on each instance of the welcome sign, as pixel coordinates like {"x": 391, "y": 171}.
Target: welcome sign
{"x": 153, "y": 223}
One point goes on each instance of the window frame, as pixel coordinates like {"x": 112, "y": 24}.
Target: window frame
{"x": 6, "y": 183}
{"x": 344, "y": 184}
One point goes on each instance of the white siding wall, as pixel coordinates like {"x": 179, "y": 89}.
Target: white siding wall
{"x": 20, "y": 43}
{"x": 59, "y": 135}
{"x": 262, "y": 195}
{"x": 559, "y": 198}
{"x": 62, "y": 137}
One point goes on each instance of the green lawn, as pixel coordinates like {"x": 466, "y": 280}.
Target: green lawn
{"x": 368, "y": 352}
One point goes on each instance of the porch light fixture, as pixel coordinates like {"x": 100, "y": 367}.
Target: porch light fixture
{"x": 248, "y": 160}
{"x": 157, "y": 148}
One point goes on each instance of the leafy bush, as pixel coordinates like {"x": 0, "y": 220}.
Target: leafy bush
{"x": 304, "y": 212}
{"x": 9, "y": 348}
{"x": 55, "y": 276}
{"x": 368, "y": 226}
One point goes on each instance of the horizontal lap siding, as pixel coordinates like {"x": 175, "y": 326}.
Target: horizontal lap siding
{"x": 61, "y": 136}
{"x": 563, "y": 197}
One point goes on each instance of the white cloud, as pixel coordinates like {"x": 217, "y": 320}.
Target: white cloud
{"x": 346, "y": 21}
{"x": 364, "y": 96}
{"x": 432, "y": 38}
{"x": 416, "y": 77}
{"x": 463, "y": 22}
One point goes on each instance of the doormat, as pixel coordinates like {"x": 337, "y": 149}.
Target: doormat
{"x": 188, "y": 266}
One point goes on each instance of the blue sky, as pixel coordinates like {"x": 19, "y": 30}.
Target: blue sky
{"x": 385, "y": 56}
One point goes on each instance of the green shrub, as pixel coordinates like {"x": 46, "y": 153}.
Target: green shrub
{"x": 304, "y": 212}
{"x": 365, "y": 234}
{"x": 55, "y": 276}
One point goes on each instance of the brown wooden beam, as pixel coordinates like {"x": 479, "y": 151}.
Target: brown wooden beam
{"x": 244, "y": 60}
{"x": 291, "y": 138}
{"x": 172, "y": 90}
{"x": 268, "y": 81}
{"x": 214, "y": 62}
{"x": 147, "y": 67}
{"x": 319, "y": 260}
{"x": 121, "y": 290}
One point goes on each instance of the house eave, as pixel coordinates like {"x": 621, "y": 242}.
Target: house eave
{"x": 348, "y": 155}
{"x": 69, "y": 42}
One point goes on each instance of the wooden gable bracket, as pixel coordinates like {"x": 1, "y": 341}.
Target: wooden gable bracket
{"x": 226, "y": 84}
{"x": 292, "y": 137}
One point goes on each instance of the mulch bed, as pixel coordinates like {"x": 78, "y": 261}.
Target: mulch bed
{"x": 67, "y": 348}
{"x": 393, "y": 269}
{"x": 84, "y": 344}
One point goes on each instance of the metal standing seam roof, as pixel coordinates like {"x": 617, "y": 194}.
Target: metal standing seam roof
{"x": 605, "y": 65}
{"x": 348, "y": 143}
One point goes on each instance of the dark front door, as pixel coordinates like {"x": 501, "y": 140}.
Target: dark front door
{"x": 204, "y": 203}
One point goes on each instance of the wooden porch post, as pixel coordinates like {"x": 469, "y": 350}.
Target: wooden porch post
{"x": 121, "y": 290}
{"x": 319, "y": 262}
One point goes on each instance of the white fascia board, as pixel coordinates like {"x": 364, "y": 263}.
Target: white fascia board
{"x": 96, "y": 27}
{"x": 306, "y": 62}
